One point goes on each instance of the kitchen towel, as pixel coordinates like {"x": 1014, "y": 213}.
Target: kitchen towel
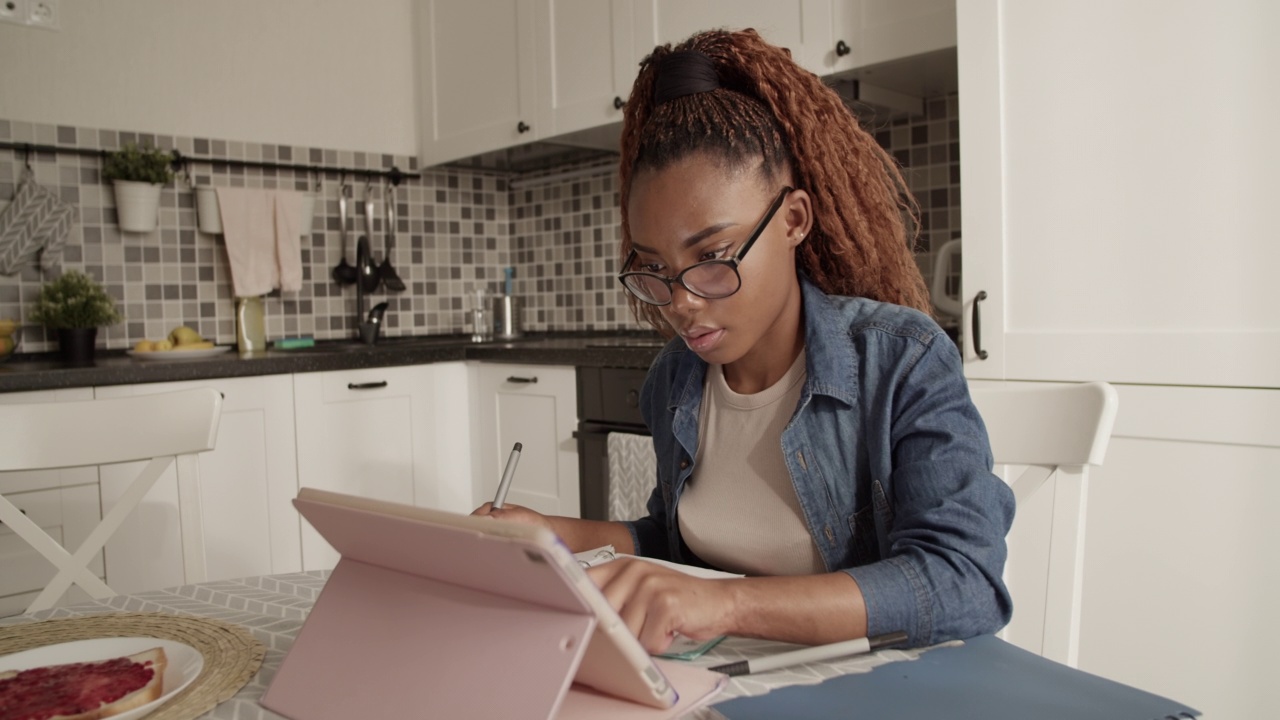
{"x": 633, "y": 473}
{"x": 36, "y": 221}
{"x": 262, "y": 231}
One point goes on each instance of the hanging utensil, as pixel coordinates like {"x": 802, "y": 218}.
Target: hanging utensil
{"x": 344, "y": 273}
{"x": 390, "y": 279}
{"x": 366, "y": 268}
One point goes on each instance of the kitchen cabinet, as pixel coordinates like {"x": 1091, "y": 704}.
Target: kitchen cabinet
{"x": 1129, "y": 244}
{"x": 852, "y": 34}
{"x": 1181, "y": 537}
{"x": 372, "y": 432}
{"x": 1120, "y": 242}
{"x": 535, "y": 405}
{"x": 799, "y": 25}
{"x": 64, "y": 503}
{"x": 242, "y": 509}
{"x": 499, "y": 73}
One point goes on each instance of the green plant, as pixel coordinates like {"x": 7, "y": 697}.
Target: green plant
{"x": 74, "y": 301}
{"x": 146, "y": 164}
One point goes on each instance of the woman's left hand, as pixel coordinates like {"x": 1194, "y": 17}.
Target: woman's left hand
{"x": 656, "y": 602}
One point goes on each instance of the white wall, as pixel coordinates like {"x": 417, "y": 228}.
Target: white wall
{"x": 319, "y": 73}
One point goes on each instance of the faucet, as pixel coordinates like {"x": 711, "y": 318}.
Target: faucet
{"x": 367, "y": 280}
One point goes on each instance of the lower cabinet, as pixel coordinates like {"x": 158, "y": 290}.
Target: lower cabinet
{"x": 373, "y": 433}
{"x": 64, "y": 503}
{"x": 536, "y": 406}
{"x": 1182, "y": 533}
{"x": 245, "y": 487}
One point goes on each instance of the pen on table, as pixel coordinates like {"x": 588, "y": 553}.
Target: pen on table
{"x": 505, "y": 483}
{"x": 817, "y": 653}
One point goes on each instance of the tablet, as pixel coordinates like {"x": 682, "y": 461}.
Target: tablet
{"x": 480, "y": 597}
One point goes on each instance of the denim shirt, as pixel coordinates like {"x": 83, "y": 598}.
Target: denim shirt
{"x": 888, "y": 456}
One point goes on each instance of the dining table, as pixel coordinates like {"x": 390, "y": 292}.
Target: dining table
{"x": 263, "y": 615}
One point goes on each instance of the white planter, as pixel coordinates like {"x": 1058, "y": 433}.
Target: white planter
{"x": 137, "y": 205}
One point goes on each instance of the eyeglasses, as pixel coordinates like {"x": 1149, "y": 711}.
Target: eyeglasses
{"x": 710, "y": 279}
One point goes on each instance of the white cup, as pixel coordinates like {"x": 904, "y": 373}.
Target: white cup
{"x": 210, "y": 221}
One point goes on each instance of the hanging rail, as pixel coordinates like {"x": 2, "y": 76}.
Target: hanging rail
{"x": 179, "y": 161}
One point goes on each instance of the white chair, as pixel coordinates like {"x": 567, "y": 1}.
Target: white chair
{"x": 162, "y": 429}
{"x": 1057, "y": 431}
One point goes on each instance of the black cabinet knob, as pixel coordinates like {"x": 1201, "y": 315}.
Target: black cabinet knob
{"x": 842, "y": 48}
{"x": 618, "y": 103}
{"x": 522, "y": 127}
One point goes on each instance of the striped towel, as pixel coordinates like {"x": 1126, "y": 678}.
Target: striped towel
{"x": 36, "y": 222}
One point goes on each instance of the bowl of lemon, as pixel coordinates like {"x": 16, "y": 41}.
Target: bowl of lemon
{"x": 183, "y": 343}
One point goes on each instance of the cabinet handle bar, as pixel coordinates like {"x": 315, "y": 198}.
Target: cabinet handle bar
{"x": 977, "y": 326}
{"x": 515, "y": 379}
{"x": 367, "y": 385}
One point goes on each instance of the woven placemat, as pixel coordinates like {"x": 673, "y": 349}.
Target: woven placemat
{"x": 231, "y": 654}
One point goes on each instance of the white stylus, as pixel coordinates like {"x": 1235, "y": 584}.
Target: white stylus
{"x": 505, "y": 483}
{"x": 818, "y": 653}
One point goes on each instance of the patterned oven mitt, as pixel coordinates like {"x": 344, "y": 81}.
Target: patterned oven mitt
{"x": 37, "y": 221}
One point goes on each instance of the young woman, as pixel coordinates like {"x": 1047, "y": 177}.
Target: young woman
{"x": 813, "y": 427}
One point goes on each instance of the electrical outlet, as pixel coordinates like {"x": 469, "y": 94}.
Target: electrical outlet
{"x": 45, "y": 14}
{"x": 13, "y": 11}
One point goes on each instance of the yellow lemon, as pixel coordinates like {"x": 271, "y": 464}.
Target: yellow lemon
{"x": 144, "y": 346}
{"x": 184, "y": 335}
{"x": 162, "y": 345}
{"x": 7, "y": 327}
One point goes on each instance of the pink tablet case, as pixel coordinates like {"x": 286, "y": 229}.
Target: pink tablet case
{"x": 419, "y": 621}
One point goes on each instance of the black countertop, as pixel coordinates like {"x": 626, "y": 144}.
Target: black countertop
{"x": 43, "y": 371}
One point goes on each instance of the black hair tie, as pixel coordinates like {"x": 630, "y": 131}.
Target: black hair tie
{"x": 681, "y": 73}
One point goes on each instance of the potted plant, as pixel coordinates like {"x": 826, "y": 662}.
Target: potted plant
{"x": 138, "y": 174}
{"x": 75, "y": 307}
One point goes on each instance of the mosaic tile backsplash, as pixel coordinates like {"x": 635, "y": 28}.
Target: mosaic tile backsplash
{"x": 457, "y": 230}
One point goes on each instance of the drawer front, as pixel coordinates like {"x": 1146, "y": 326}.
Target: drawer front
{"x": 610, "y": 395}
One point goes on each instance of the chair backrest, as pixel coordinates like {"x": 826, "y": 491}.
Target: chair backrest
{"x": 40, "y": 436}
{"x": 1055, "y": 432}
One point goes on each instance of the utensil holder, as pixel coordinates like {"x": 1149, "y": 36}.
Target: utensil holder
{"x": 506, "y": 317}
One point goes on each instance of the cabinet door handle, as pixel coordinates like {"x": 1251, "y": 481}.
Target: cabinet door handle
{"x": 522, "y": 127}
{"x": 367, "y": 386}
{"x": 515, "y": 379}
{"x": 977, "y": 326}
{"x": 618, "y": 104}
{"x": 842, "y": 48}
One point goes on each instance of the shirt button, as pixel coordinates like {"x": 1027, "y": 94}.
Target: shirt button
{"x": 800, "y": 459}
{"x": 831, "y": 537}
{"x": 684, "y": 464}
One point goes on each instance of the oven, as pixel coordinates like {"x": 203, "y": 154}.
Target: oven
{"x": 617, "y": 468}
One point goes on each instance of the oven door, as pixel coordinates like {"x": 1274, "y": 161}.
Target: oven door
{"x": 617, "y": 470}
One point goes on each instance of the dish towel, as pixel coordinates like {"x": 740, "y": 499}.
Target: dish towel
{"x": 633, "y": 473}
{"x": 262, "y": 231}
{"x": 36, "y": 221}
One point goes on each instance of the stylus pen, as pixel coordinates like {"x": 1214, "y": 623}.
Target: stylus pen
{"x": 818, "y": 653}
{"x": 505, "y": 484}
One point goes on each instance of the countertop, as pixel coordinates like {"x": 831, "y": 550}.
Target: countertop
{"x": 44, "y": 371}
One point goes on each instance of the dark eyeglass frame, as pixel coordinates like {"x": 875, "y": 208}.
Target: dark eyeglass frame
{"x": 732, "y": 262}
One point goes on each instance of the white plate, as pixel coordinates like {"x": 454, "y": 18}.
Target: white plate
{"x": 185, "y": 662}
{"x": 163, "y": 355}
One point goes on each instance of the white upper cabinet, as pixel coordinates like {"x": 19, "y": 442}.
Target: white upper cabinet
{"x": 781, "y": 22}
{"x": 586, "y": 63}
{"x": 477, "y": 88}
{"x": 870, "y": 32}
{"x": 1121, "y": 229}
{"x": 499, "y": 73}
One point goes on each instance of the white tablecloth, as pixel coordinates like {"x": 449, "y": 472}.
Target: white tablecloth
{"x": 273, "y": 609}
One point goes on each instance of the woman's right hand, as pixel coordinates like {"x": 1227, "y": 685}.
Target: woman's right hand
{"x": 514, "y": 513}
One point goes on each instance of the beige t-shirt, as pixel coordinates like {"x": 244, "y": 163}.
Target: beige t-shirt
{"x": 739, "y": 510}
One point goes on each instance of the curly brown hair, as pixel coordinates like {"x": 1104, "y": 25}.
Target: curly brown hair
{"x": 770, "y": 111}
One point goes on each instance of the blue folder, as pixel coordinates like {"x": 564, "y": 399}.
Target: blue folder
{"x": 985, "y": 679}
